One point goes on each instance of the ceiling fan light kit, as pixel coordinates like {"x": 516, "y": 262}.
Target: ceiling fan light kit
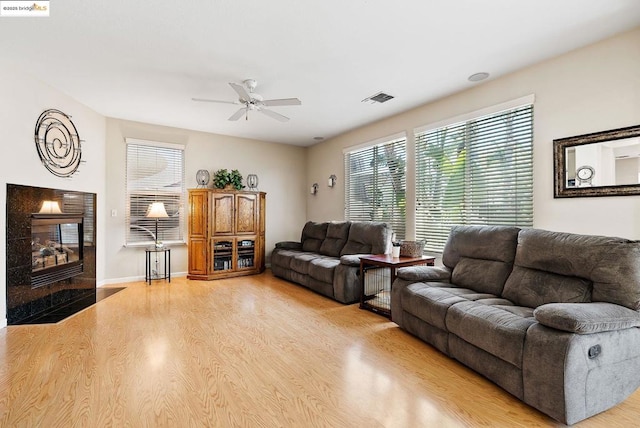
{"x": 254, "y": 102}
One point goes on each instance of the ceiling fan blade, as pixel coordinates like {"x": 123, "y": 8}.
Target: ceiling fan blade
{"x": 214, "y": 101}
{"x": 242, "y": 92}
{"x": 237, "y": 115}
{"x": 283, "y": 102}
{"x": 274, "y": 115}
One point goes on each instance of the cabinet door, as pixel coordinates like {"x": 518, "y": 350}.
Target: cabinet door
{"x": 222, "y": 221}
{"x": 198, "y": 256}
{"x": 198, "y": 214}
{"x": 246, "y": 253}
{"x": 223, "y": 250}
{"x": 247, "y": 214}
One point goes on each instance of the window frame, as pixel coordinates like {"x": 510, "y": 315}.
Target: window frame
{"x": 436, "y": 233}
{"x": 387, "y": 195}
{"x": 174, "y": 197}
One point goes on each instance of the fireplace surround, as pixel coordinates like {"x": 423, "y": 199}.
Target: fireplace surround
{"x": 51, "y": 261}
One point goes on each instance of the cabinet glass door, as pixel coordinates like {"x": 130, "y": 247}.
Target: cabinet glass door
{"x": 246, "y": 253}
{"x": 222, "y": 255}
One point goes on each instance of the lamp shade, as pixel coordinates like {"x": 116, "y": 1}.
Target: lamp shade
{"x": 50, "y": 207}
{"x": 157, "y": 210}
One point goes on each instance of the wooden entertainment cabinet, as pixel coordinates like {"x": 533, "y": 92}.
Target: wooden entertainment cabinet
{"x": 226, "y": 233}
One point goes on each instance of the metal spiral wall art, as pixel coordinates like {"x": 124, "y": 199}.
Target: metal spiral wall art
{"x": 58, "y": 143}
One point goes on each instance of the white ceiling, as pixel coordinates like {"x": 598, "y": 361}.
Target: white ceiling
{"x": 144, "y": 60}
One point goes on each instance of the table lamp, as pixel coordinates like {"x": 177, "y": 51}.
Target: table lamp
{"x": 156, "y": 210}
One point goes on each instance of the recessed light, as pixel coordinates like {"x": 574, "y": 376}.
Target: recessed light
{"x": 478, "y": 77}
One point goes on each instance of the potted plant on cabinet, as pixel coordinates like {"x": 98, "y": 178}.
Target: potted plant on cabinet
{"x": 224, "y": 179}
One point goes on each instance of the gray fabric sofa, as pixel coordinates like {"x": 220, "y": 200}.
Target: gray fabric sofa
{"x": 326, "y": 258}
{"x": 550, "y": 317}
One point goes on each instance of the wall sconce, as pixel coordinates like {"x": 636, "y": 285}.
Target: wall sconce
{"x": 314, "y": 188}
{"x": 332, "y": 180}
{"x": 50, "y": 207}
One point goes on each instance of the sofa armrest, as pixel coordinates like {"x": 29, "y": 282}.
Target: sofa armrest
{"x": 289, "y": 245}
{"x": 424, "y": 273}
{"x": 586, "y": 318}
{"x": 351, "y": 259}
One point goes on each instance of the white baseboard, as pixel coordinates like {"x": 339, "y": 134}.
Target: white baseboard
{"x": 126, "y": 279}
{"x": 3, "y": 323}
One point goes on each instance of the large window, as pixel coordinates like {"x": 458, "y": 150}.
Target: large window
{"x": 375, "y": 184}
{"x": 155, "y": 173}
{"x": 477, "y": 172}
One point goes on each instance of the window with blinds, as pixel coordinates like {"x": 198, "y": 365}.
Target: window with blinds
{"x": 479, "y": 172}
{"x": 155, "y": 173}
{"x": 375, "y": 184}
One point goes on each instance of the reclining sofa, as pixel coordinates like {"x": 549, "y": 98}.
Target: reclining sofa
{"x": 326, "y": 258}
{"x": 550, "y": 317}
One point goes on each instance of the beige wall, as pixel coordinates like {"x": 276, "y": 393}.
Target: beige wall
{"x": 22, "y": 100}
{"x": 588, "y": 90}
{"x": 280, "y": 169}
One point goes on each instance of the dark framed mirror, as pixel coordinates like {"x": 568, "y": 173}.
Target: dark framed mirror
{"x": 599, "y": 164}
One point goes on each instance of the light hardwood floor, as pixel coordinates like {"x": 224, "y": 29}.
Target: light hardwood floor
{"x": 252, "y": 351}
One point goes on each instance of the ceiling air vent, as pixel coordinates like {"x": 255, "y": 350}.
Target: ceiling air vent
{"x": 380, "y": 97}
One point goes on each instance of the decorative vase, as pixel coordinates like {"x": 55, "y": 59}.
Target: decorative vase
{"x": 252, "y": 182}
{"x": 202, "y": 177}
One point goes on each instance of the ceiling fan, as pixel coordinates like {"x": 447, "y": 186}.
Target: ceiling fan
{"x": 252, "y": 101}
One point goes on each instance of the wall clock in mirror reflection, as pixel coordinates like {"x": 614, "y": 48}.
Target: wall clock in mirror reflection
{"x": 585, "y": 175}
{"x": 58, "y": 143}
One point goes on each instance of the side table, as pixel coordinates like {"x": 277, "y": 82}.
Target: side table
{"x": 151, "y": 274}
{"x": 378, "y": 300}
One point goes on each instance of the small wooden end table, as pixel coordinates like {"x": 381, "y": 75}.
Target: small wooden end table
{"x": 380, "y": 302}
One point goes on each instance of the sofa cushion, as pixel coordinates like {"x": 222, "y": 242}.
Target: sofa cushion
{"x": 481, "y": 257}
{"x": 337, "y": 234}
{"x": 480, "y": 242}
{"x": 532, "y": 288}
{"x": 610, "y": 263}
{"x": 585, "y": 318}
{"x": 283, "y": 257}
{"x": 428, "y": 303}
{"x": 300, "y": 262}
{"x": 312, "y": 236}
{"x": 368, "y": 237}
{"x": 487, "y": 276}
{"x": 322, "y": 268}
{"x": 496, "y": 330}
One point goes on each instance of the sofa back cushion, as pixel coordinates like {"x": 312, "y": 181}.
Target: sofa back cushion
{"x": 368, "y": 237}
{"x": 481, "y": 257}
{"x": 557, "y": 267}
{"x": 313, "y": 234}
{"x": 337, "y": 235}
{"x": 533, "y": 288}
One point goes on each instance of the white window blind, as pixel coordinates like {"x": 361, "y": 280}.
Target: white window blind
{"x": 375, "y": 184}
{"x": 155, "y": 173}
{"x": 479, "y": 172}
{"x": 81, "y": 203}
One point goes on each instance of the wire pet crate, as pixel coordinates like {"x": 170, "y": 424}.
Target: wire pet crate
{"x": 377, "y": 288}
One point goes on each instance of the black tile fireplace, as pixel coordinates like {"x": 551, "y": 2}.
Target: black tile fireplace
{"x": 50, "y": 251}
